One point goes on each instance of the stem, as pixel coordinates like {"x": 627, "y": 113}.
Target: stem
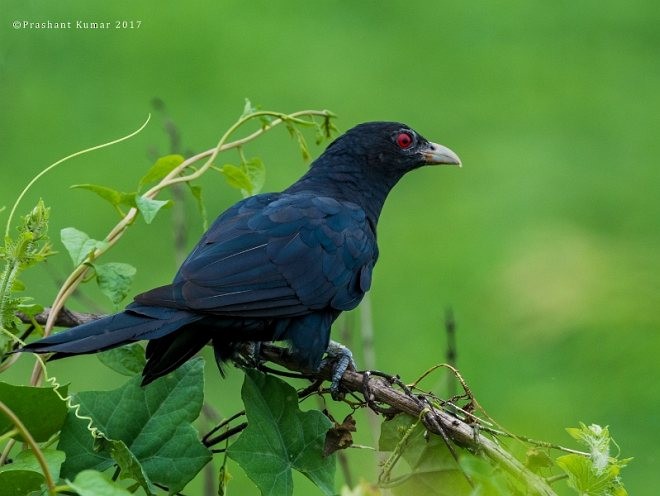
{"x": 33, "y": 446}
{"x": 8, "y": 276}
{"x": 62, "y": 160}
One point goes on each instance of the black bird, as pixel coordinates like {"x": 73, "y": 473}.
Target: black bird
{"x": 275, "y": 266}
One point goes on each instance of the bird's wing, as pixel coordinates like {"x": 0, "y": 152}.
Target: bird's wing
{"x": 276, "y": 256}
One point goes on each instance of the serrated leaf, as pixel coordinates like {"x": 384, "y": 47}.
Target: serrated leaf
{"x": 154, "y": 422}
{"x": 115, "y": 279}
{"x": 161, "y": 168}
{"x": 432, "y": 469}
{"x": 279, "y": 437}
{"x": 39, "y": 408}
{"x": 585, "y": 479}
{"x": 79, "y": 244}
{"x": 94, "y": 483}
{"x": 126, "y": 360}
{"x": 149, "y": 208}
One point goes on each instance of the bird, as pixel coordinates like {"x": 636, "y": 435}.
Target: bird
{"x": 276, "y": 266}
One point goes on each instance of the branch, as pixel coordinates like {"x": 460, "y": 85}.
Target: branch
{"x": 65, "y": 317}
{"x": 434, "y": 418}
{"x": 382, "y": 395}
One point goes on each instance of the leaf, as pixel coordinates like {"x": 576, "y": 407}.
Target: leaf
{"x": 161, "y": 168}
{"x": 115, "y": 280}
{"x": 339, "y": 436}
{"x": 149, "y": 208}
{"x": 24, "y": 473}
{"x": 154, "y": 422}
{"x": 236, "y": 177}
{"x": 114, "y": 197}
{"x": 432, "y": 469}
{"x": 302, "y": 142}
{"x": 93, "y": 483}
{"x": 597, "y": 474}
{"x": 249, "y": 177}
{"x": 130, "y": 466}
{"x": 197, "y": 194}
{"x": 255, "y": 170}
{"x": 487, "y": 479}
{"x": 248, "y": 108}
{"x": 79, "y": 244}
{"x": 39, "y": 408}
{"x": 30, "y": 309}
{"x": 279, "y": 437}
{"x": 20, "y": 482}
{"x": 537, "y": 459}
{"x": 126, "y": 360}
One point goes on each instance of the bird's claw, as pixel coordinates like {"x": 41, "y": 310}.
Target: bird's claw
{"x": 342, "y": 359}
{"x": 248, "y": 355}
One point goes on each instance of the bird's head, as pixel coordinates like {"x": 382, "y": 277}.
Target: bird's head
{"x": 392, "y": 148}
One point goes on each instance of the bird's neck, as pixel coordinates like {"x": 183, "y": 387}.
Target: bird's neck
{"x": 341, "y": 181}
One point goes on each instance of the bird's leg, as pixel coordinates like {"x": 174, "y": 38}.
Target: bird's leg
{"x": 342, "y": 359}
{"x": 247, "y": 355}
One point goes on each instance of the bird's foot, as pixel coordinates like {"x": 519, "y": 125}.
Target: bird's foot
{"x": 248, "y": 355}
{"x": 342, "y": 359}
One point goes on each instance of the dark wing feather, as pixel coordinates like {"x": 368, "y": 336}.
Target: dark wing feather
{"x": 272, "y": 256}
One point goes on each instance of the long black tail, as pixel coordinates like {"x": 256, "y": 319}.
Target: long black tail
{"x": 136, "y": 323}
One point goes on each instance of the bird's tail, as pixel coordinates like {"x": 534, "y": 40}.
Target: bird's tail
{"x": 136, "y": 323}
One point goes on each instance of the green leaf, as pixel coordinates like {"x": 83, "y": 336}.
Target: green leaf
{"x": 149, "y": 208}
{"x": 20, "y": 482}
{"x": 154, "y": 422}
{"x": 581, "y": 475}
{"x": 249, "y": 177}
{"x": 25, "y": 460}
{"x": 197, "y": 194}
{"x": 300, "y": 138}
{"x": 39, "y": 408}
{"x": 431, "y": 470}
{"x": 537, "y": 460}
{"x": 130, "y": 466}
{"x": 115, "y": 280}
{"x": 236, "y": 177}
{"x": 487, "y": 479}
{"x": 112, "y": 196}
{"x": 160, "y": 169}
{"x": 279, "y": 437}
{"x": 248, "y": 108}
{"x": 127, "y": 360}
{"x": 30, "y": 309}
{"x": 24, "y": 473}
{"x": 93, "y": 483}
{"x": 255, "y": 170}
{"x": 79, "y": 244}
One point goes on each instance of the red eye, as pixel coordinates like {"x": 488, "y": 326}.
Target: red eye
{"x": 404, "y": 140}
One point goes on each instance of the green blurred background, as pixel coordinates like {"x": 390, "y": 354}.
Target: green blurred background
{"x": 545, "y": 244}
